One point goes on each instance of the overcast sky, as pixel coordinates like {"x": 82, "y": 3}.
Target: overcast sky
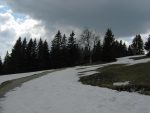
{"x": 42, "y": 18}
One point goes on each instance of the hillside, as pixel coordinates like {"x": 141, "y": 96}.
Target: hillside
{"x": 61, "y": 92}
{"x": 122, "y": 77}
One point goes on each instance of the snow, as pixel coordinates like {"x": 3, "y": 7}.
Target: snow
{"x": 60, "y": 92}
{"x": 81, "y": 74}
{"x": 89, "y": 70}
{"x": 121, "y": 83}
{"x": 4, "y": 78}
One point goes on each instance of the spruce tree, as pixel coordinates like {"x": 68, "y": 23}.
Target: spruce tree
{"x": 55, "y": 50}
{"x": 64, "y": 51}
{"x": 124, "y": 50}
{"x": 16, "y": 57}
{"x": 6, "y": 64}
{"x": 97, "y": 52}
{"x": 1, "y": 66}
{"x": 108, "y": 54}
{"x": 24, "y": 55}
{"x": 46, "y": 56}
{"x": 147, "y": 46}
{"x": 130, "y": 51}
{"x": 31, "y": 56}
{"x": 116, "y": 49}
{"x": 40, "y": 54}
{"x": 35, "y": 55}
{"x": 138, "y": 45}
{"x": 73, "y": 51}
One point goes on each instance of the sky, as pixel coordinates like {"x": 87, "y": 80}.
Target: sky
{"x": 43, "y": 18}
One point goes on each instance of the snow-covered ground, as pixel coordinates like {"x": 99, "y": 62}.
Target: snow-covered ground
{"x": 4, "y": 78}
{"x": 87, "y": 70}
{"x": 121, "y": 83}
{"x": 60, "y": 92}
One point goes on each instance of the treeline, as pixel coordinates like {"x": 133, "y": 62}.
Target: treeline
{"x": 69, "y": 51}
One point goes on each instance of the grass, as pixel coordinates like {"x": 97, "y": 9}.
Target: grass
{"x": 138, "y": 75}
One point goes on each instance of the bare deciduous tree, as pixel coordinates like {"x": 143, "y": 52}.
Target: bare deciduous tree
{"x": 87, "y": 40}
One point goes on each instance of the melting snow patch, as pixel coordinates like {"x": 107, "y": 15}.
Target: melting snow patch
{"x": 121, "y": 83}
{"x": 87, "y": 73}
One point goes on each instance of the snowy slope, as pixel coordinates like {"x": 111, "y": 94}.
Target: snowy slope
{"x": 60, "y": 92}
{"x": 89, "y": 70}
{"x": 4, "y": 78}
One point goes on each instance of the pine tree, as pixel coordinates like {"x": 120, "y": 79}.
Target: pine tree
{"x": 108, "y": 54}
{"x": 6, "y": 64}
{"x": 40, "y": 54}
{"x": 138, "y": 45}
{"x": 130, "y": 51}
{"x": 31, "y": 56}
{"x": 35, "y": 55}
{"x": 64, "y": 51}
{"x": 1, "y": 66}
{"x": 16, "y": 57}
{"x": 124, "y": 50}
{"x": 64, "y": 41}
{"x": 24, "y": 55}
{"x": 55, "y": 50}
{"x": 73, "y": 51}
{"x": 97, "y": 52}
{"x": 46, "y": 56}
{"x": 147, "y": 45}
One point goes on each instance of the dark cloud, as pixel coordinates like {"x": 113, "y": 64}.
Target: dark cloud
{"x": 126, "y": 18}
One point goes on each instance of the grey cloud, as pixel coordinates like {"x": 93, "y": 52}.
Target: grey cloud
{"x": 7, "y": 34}
{"x": 126, "y": 18}
{"x": 6, "y": 39}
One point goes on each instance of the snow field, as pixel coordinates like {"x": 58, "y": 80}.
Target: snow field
{"x": 60, "y": 92}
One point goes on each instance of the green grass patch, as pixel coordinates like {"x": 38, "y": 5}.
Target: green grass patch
{"x": 138, "y": 75}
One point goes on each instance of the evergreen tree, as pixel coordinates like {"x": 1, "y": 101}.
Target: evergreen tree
{"x": 73, "y": 51}
{"x": 24, "y": 55}
{"x": 116, "y": 49}
{"x": 124, "y": 50}
{"x": 55, "y": 50}
{"x": 97, "y": 52}
{"x": 1, "y": 66}
{"x": 64, "y": 51}
{"x": 147, "y": 45}
{"x": 6, "y": 64}
{"x": 35, "y": 55}
{"x": 31, "y": 56}
{"x": 46, "y": 56}
{"x": 138, "y": 45}
{"x": 86, "y": 53}
{"x": 108, "y": 54}
{"x": 130, "y": 51}
{"x": 121, "y": 49}
{"x": 64, "y": 41}
{"x": 16, "y": 57}
{"x": 40, "y": 54}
